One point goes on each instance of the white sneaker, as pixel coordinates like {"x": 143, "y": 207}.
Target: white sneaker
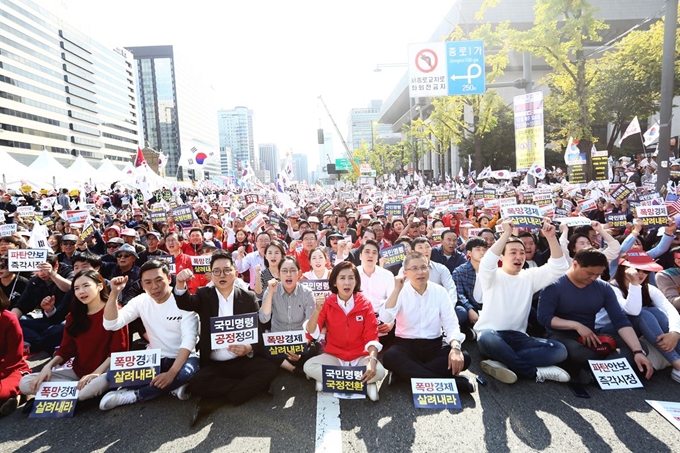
{"x": 499, "y": 371}
{"x": 551, "y": 373}
{"x": 675, "y": 375}
{"x": 372, "y": 392}
{"x": 117, "y": 398}
{"x": 181, "y": 393}
{"x": 319, "y": 386}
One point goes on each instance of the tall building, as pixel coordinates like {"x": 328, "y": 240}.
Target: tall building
{"x": 62, "y": 91}
{"x": 176, "y": 107}
{"x": 269, "y": 159}
{"x": 300, "y": 172}
{"x": 236, "y": 132}
{"x": 361, "y": 125}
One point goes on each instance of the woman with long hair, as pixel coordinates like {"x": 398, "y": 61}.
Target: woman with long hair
{"x": 648, "y": 310}
{"x": 318, "y": 260}
{"x": 12, "y": 363}
{"x": 85, "y": 341}
{"x": 273, "y": 255}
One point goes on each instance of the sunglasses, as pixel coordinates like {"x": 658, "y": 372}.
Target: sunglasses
{"x": 3, "y": 265}
{"x": 113, "y": 246}
{"x": 124, "y": 255}
{"x": 68, "y": 243}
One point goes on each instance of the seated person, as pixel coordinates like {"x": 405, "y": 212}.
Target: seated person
{"x": 567, "y": 309}
{"x": 12, "y": 285}
{"x": 506, "y": 294}
{"x": 234, "y": 374}
{"x": 351, "y": 330}
{"x": 173, "y": 331}
{"x": 423, "y": 309}
{"x": 12, "y": 363}
{"x": 468, "y": 286}
{"x": 85, "y": 341}
{"x": 287, "y": 304}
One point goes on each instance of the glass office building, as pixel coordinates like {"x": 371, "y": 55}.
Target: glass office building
{"x": 236, "y": 133}
{"x": 175, "y": 107}
{"x": 62, "y": 91}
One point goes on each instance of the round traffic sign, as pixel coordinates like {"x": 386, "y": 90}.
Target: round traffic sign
{"x": 426, "y": 60}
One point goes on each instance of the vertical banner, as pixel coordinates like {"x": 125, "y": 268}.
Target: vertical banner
{"x": 529, "y": 140}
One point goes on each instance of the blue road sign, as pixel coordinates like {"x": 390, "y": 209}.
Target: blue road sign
{"x": 465, "y": 64}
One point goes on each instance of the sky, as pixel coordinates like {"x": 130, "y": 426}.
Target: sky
{"x": 274, "y": 57}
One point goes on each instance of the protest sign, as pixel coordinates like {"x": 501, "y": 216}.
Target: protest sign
{"x": 134, "y": 368}
{"x": 393, "y": 209}
{"x": 158, "y": 214}
{"x": 252, "y": 198}
{"x": 169, "y": 260}
{"x": 543, "y": 199}
{"x": 201, "y": 264}
{"x": 669, "y": 410}
{"x": 394, "y": 255}
{"x": 282, "y": 343}
{"x": 227, "y": 331}
{"x": 614, "y": 374}
{"x": 365, "y": 209}
{"x": 587, "y": 205}
{"x": 25, "y": 211}
{"x": 317, "y": 287}
{"x": 621, "y": 192}
{"x": 523, "y": 215}
{"x": 55, "y": 400}
{"x": 182, "y": 214}
{"x": 324, "y": 206}
{"x": 616, "y": 220}
{"x": 508, "y": 201}
{"x": 435, "y": 394}
{"x": 437, "y": 235}
{"x": 575, "y": 221}
{"x": 652, "y": 215}
{"x": 8, "y": 229}
{"x": 76, "y": 216}
{"x": 559, "y": 213}
{"x": 88, "y": 230}
{"x": 25, "y": 260}
{"x": 457, "y": 208}
{"x": 343, "y": 379}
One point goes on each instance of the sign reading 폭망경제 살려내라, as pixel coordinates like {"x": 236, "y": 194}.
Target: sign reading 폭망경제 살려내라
{"x": 55, "y": 400}
{"x": 435, "y": 393}
{"x": 134, "y": 368}
{"x": 282, "y": 343}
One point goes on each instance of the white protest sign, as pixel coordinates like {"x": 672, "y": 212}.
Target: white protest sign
{"x": 614, "y": 374}
{"x": 76, "y": 216}
{"x": 2, "y": 216}
{"x": 669, "y": 410}
{"x": 8, "y": 230}
{"x": 26, "y": 211}
{"x": 574, "y": 221}
{"x": 25, "y": 260}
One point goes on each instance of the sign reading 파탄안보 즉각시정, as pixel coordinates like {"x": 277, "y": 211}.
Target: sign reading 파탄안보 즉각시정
{"x": 55, "y": 400}
{"x": 343, "y": 379}
{"x": 614, "y": 374}
{"x": 435, "y": 393}
{"x": 134, "y": 368}
{"x": 25, "y": 260}
{"x": 228, "y": 331}
{"x": 282, "y": 343}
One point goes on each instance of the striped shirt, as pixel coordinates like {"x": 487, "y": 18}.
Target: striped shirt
{"x": 289, "y": 311}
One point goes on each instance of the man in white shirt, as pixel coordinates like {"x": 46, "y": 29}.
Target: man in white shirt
{"x": 506, "y": 302}
{"x": 248, "y": 262}
{"x": 173, "y": 331}
{"x": 439, "y": 273}
{"x": 232, "y": 374}
{"x": 422, "y": 310}
{"x": 376, "y": 284}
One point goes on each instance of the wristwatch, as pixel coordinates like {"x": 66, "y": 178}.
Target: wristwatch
{"x": 457, "y": 346}
{"x": 640, "y": 352}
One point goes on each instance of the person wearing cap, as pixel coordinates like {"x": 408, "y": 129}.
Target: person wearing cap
{"x": 153, "y": 239}
{"x": 68, "y": 248}
{"x": 668, "y": 280}
{"x": 130, "y": 237}
{"x": 112, "y": 231}
{"x": 126, "y": 257}
{"x": 364, "y": 222}
{"x": 352, "y": 220}
{"x": 210, "y": 235}
{"x": 112, "y": 245}
{"x": 568, "y": 307}
{"x": 332, "y": 249}
{"x": 214, "y": 224}
{"x": 648, "y": 310}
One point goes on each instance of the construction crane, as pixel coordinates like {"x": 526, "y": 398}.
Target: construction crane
{"x": 348, "y": 153}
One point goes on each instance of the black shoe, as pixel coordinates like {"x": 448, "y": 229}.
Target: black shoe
{"x": 270, "y": 389}
{"x": 196, "y": 413}
{"x": 299, "y": 372}
{"x": 392, "y": 378}
{"x": 9, "y": 406}
{"x": 28, "y": 406}
{"x": 464, "y": 385}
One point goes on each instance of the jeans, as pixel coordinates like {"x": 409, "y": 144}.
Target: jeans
{"x": 190, "y": 367}
{"x": 650, "y": 323}
{"x": 41, "y": 334}
{"x": 462, "y": 314}
{"x": 520, "y": 352}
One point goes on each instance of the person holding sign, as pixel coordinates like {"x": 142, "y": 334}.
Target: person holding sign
{"x": 287, "y": 305}
{"x": 352, "y": 330}
{"x": 173, "y": 331}
{"x": 12, "y": 365}
{"x": 648, "y": 310}
{"x": 573, "y": 244}
{"x": 568, "y": 307}
{"x": 506, "y": 296}
{"x": 232, "y": 373}
{"x": 85, "y": 340}
{"x": 423, "y": 309}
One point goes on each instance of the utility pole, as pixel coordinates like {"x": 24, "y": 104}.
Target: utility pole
{"x": 667, "y": 75}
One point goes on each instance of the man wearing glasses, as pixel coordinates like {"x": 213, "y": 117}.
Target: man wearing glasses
{"x": 68, "y": 245}
{"x": 112, "y": 246}
{"x": 302, "y": 248}
{"x": 126, "y": 267}
{"x": 234, "y": 374}
{"x": 248, "y": 262}
{"x": 422, "y": 310}
{"x": 182, "y": 260}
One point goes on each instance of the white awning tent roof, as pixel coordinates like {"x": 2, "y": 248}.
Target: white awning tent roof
{"x": 107, "y": 173}
{"x": 47, "y": 171}
{"x": 12, "y": 171}
{"x": 81, "y": 171}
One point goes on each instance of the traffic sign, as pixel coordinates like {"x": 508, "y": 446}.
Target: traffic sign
{"x": 465, "y": 67}
{"x": 342, "y": 164}
{"x": 427, "y": 69}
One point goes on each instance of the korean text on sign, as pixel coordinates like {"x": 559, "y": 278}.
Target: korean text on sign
{"x": 652, "y": 215}
{"x": 394, "y": 209}
{"x": 317, "y": 287}
{"x": 182, "y": 214}
{"x": 394, "y": 256}
{"x": 25, "y": 260}
{"x": 435, "y": 394}
{"x": 227, "y": 331}
{"x": 343, "y": 379}
{"x": 523, "y": 215}
{"x": 614, "y": 374}
{"x": 282, "y": 343}
{"x": 55, "y": 400}
{"x": 201, "y": 264}
{"x": 134, "y": 368}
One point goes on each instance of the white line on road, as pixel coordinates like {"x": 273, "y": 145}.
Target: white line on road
{"x": 328, "y": 430}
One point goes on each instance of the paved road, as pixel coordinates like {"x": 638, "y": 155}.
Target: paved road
{"x": 499, "y": 418}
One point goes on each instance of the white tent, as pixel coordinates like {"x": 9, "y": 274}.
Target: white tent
{"x": 107, "y": 173}
{"x": 12, "y": 170}
{"x": 81, "y": 171}
{"x": 47, "y": 171}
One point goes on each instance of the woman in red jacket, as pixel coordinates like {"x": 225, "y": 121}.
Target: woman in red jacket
{"x": 12, "y": 363}
{"x": 352, "y": 329}
{"x": 85, "y": 340}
